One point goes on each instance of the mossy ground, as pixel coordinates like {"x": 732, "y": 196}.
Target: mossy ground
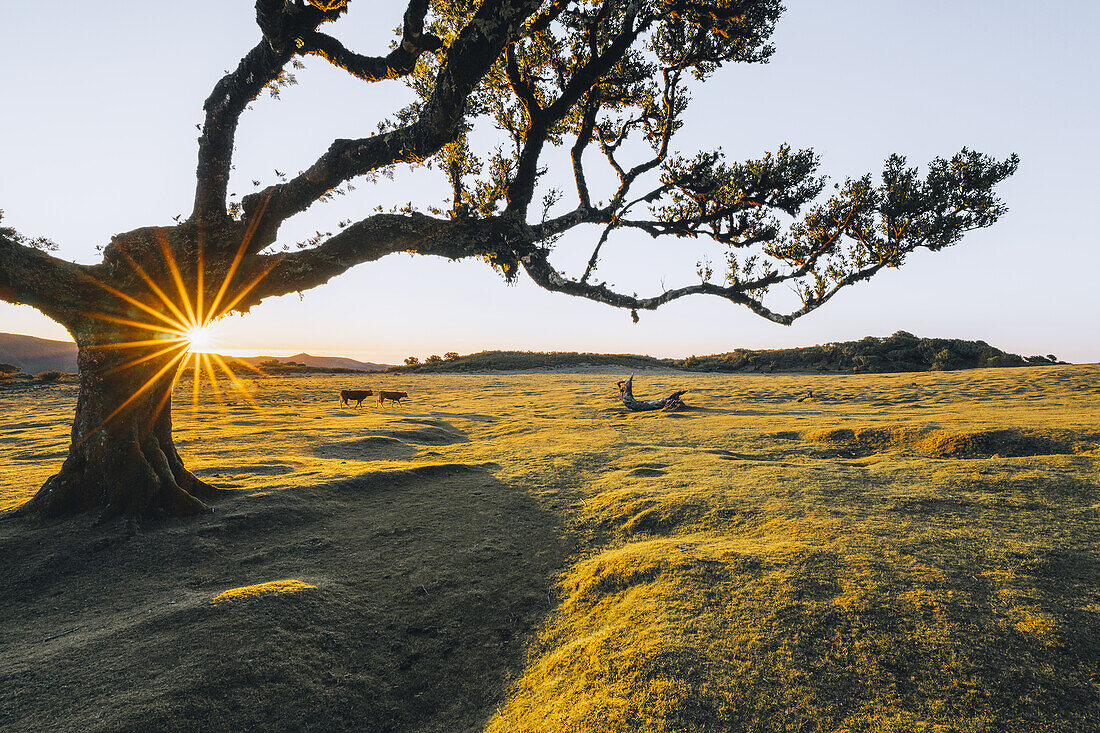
{"x": 517, "y": 552}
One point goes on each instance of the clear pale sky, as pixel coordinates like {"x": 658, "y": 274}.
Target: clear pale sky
{"x": 98, "y": 137}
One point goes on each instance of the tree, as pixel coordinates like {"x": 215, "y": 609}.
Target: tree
{"x": 605, "y": 81}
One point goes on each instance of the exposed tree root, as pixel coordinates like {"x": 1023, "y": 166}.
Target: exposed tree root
{"x": 142, "y": 481}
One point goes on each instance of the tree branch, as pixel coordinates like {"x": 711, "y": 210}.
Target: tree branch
{"x": 497, "y": 239}
{"x": 544, "y": 275}
{"x": 280, "y": 24}
{"x": 522, "y": 186}
{"x": 29, "y": 276}
{"x": 399, "y": 62}
{"x": 468, "y": 58}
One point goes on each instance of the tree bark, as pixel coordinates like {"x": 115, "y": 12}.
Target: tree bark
{"x": 122, "y": 460}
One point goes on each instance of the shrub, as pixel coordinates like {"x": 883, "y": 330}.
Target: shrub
{"x": 434, "y": 359}
{"x": 450, "y": 355}
{"x": 943, "y": 360}
{"x": 411, "y": 361}
{"x": 50, "y": 376}
{"x": 9, "y": 369}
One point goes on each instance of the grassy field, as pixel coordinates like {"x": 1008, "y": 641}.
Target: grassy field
{"x": 913, "y": 552}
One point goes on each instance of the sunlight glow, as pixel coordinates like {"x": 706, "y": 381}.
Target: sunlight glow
{"x": 181, "y": 327}
{"x": 199, "y": 340}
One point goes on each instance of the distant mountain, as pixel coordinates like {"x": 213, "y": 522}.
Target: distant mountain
{"x": 34, "y": 355}
{"x": 324, "y": 362}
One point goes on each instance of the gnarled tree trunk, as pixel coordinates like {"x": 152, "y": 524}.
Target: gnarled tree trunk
{"x": 122, "y": 459}
{"x": 129, "y": 316}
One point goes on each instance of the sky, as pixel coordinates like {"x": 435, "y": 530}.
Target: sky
{"x": 98, "y": 137}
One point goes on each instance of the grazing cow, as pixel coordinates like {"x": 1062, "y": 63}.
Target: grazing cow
{"x": 393, "y": 397}
{"x": 346, "y": 395}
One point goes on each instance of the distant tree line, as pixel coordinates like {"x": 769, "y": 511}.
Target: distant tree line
{"x": 901, "y": 352}
{"x": 276, "y": 367}
{"x": 10, "y": 374}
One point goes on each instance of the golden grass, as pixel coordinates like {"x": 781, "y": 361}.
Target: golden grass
{"x": 259, "y": 589}
{"x": 899, "y": 553}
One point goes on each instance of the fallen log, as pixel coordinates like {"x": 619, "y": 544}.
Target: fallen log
{"x": 626, "y": 392}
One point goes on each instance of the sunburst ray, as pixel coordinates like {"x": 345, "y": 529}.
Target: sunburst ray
{"x": 195, "y": 383}
{"x": 212, "y": 376}
{"x": 244, "y": 291}
{"x": 250, "y": 231}
{"x": 176, "y": 331}
{"x": 156, "y": 288}
{"x": 176, "y": 315}
{"x": 138, "y": 304}
{"x": 144, "y": 388}
{"x": 234, "y": 380}
{"x": 177, "y": 278}
{"x": 135, "y": 344}
{"x": 148, "y": 357}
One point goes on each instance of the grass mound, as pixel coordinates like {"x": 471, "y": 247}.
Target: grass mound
{"x": 372, "y": 448}
{"x": 1005, "y": 443}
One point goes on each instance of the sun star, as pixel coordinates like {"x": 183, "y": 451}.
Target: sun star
{"x": 198, "y": 339}
{"x": 181, "y": 329}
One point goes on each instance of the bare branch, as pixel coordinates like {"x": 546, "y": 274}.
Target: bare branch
{"x": 540, "y": 120}
{"x": 497, "y": 239}
{"x": 223, "y": 109}
{"x": 280, "y": 24}
{"x": 29, "y": 276}
{"x": 468, "y": 58}
{"x": 584, "y": 137}
{"x": 399, "y": 62}
{"x": 544, "y": 275}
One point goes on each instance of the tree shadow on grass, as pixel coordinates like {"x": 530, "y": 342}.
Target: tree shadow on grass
{"x": 425, "y": 585}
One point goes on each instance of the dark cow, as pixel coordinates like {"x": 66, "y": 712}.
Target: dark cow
{"x": 393, "y": 397}
{"x": 346, "y": 395}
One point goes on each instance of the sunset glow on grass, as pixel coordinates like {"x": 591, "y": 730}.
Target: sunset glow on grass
{"x": 274, "y": 586}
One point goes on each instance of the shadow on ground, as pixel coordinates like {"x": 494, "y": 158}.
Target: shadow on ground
{"x": 426, "y": 584}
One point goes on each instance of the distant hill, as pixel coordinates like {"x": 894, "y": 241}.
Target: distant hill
{"x": 901, "y": 352}
{"x": 528, "y": 360}
{"x": 323, "y": 362}
{"x": 34, "y": 355}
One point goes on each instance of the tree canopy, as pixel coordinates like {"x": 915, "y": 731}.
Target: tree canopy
{"x": 610, "y": 82}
